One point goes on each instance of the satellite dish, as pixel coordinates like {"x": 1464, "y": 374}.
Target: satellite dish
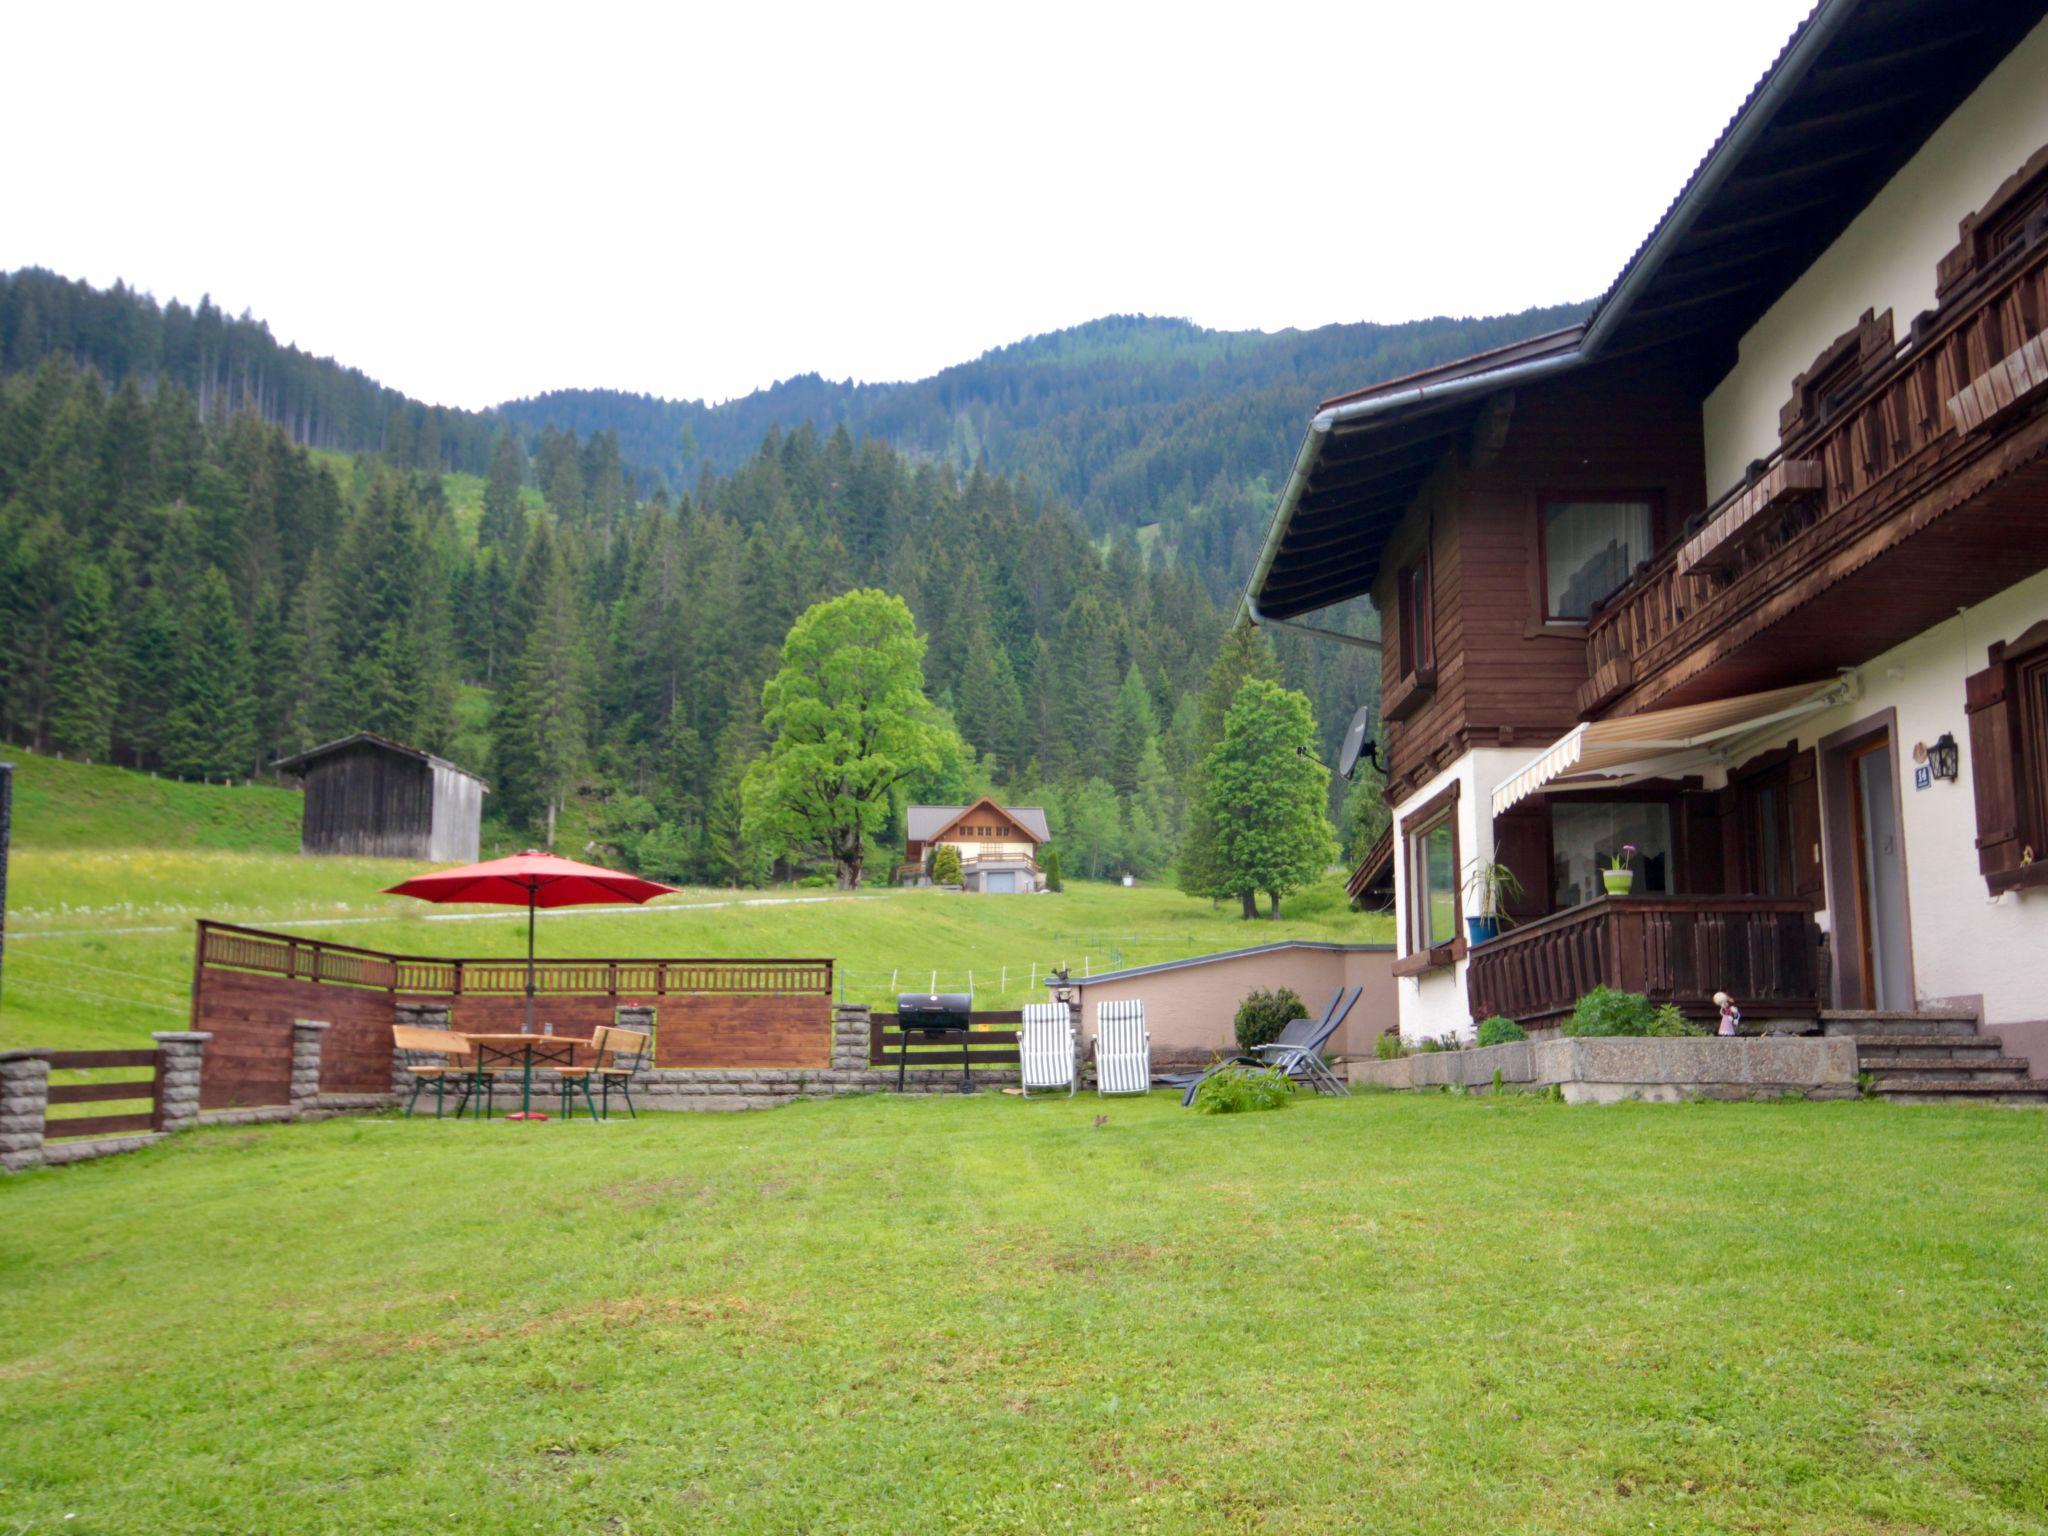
{"x": 1355, "y": 742}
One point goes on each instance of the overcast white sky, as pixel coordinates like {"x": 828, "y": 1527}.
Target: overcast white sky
{"x": 473, "y": 205}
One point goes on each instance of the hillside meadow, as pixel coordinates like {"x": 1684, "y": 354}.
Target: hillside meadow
{"x": 111, "y": 869}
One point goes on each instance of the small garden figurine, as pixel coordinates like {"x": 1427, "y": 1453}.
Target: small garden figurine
{"x": 1731, "y": 1016}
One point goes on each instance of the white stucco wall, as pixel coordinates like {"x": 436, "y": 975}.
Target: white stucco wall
{"x": 1966, "y": 943}
{"x": 1434, "y": 1005}
{"x": 1884, "y": 260}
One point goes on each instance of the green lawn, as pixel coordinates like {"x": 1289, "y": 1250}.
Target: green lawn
{"x": 103, "y": 894}
{"x": 1394, "y": 1313}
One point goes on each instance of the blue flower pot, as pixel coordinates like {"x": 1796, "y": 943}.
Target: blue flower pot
{"x": 1479, "y": 929}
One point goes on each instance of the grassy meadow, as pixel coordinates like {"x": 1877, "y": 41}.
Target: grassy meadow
{"x": 110, "y": 869}
{"x": 1393, "y": 1313}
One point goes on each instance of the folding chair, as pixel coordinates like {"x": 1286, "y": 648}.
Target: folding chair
{"x": 630, "y": 1055}
{"x": 1296, "y": 1053}
{"x": 437, "y": 1056}
{"x": 1045, "y": 1047}
{"x": 1123, "y": 1050}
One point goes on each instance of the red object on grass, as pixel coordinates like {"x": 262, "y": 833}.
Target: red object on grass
{"x": 531, "y": 880}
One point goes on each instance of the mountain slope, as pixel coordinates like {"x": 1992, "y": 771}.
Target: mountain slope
{"x": 1134, "y": 420}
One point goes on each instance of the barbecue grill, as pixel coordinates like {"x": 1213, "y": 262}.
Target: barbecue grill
{"x": 931, "y": 1014}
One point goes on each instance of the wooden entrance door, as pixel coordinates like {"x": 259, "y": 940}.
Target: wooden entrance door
{"x": 1881, "y": 942}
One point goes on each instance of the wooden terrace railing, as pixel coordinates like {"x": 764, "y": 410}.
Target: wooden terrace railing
{"x": 1762, "y": 950}
{"x": 1895, "y": 436}
{"x": 228, "y": 947}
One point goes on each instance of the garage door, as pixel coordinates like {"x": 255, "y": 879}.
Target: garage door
{"x": 1001, "y": 884}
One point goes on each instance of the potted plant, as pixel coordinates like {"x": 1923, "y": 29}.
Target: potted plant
{"x": 1489, "y": 887}
{"x": 1619, "y": 876}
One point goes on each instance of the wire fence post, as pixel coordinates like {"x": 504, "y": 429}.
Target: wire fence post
{"x": 935, "y": 982}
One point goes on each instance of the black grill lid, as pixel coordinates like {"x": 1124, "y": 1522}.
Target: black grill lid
{"x": 933, "y": 1010}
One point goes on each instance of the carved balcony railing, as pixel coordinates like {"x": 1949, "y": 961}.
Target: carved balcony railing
{"x": 1906, "y": 422}
{"x": 1763, "y": 951}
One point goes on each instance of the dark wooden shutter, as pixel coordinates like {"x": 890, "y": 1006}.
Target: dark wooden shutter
{"x": 1802, "y": 779}
{"x": 1994, "y": 769}
{"x": 1521, "y": 841}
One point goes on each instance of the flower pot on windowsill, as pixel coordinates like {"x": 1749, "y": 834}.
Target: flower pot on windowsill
{"x": 1479, "y": 929}
{"x": 1619, "y": 882}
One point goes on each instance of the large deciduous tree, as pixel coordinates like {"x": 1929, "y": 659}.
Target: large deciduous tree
{"x": 847, "y": 721}
{"x": 1267, "y": 796}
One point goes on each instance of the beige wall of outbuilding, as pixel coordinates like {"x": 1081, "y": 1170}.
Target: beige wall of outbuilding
{"x": 1191, "y": 1009}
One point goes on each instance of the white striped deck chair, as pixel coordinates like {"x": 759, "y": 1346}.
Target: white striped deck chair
{"x": 1045, "y": 1047}
{"x": 1123, "y": 1050}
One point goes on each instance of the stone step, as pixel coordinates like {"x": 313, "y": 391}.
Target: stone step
{"x": 2018, "y": 1095}
{"x": 1946, "y": 1077}
{"x": 1870, "y": 1026}
{"x": 1965, "y": 1048}
{"x": 1986, "y": 1066}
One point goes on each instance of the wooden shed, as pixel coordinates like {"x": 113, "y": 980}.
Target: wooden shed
{"x": 369, "y": 796}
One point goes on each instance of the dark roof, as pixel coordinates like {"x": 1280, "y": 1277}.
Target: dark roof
{"x": 298, "y": 761}
{"x": 1372, "y": 883}
{"x": 1851, "y": 97}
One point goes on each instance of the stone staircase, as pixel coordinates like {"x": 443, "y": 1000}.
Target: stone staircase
{"x": 1934, "y": 1056}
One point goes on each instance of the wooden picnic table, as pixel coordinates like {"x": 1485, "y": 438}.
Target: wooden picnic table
{"x": 511, "y": 1046}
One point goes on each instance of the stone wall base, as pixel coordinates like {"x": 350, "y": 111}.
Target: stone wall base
{"x": 1607, "y": 1071}
{"x": 86, "y": 1148}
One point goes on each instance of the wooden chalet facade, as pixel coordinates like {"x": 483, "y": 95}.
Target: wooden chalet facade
{"x": 1734, "y": 571}
{"x": 371, "y": 797}
{"x": 998, "y": 845}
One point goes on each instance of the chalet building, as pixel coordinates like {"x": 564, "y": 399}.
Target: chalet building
{"x": 1749, "y": 571}
{"x": 998, "y": 845}
{"x": 376, "y": 798}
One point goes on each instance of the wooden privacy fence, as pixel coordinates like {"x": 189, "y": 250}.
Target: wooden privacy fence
{"x": 985, "y": 1047}
{"x": 248, "y": 985}
{"x": 129, "y": 1090}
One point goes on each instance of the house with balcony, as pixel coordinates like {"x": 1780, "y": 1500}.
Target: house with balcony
{"x": 998, "y": 845}
{"x": 1748, "y": 572}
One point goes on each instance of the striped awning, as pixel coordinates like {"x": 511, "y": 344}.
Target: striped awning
{"x": 1664, "y": 743}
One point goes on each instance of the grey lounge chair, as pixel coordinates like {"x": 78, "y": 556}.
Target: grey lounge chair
{"x": 1296, "y": 1052}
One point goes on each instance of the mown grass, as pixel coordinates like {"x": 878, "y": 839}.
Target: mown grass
{"x": 100, "y": 934}
{"x": 1393, "y": 1313}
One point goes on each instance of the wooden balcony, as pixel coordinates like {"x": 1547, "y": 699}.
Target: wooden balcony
{"x": 1763, "y": 951}
{"x": 1805, "y": 567}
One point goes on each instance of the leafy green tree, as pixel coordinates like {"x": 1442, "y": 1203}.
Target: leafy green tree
{"x": 848, "y": 721}
{"x": 1092, "y": 833}
{"x": 86, "y": 684}
{"x": 211, "y": 730}
{"x": 1267, "y": 796}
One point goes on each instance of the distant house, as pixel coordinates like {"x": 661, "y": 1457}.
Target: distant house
{"x": 998, "y": 844}
{"x": 376, "y": 798}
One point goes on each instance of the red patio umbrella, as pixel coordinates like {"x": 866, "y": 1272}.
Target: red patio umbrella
{"x": 531, "y": 880}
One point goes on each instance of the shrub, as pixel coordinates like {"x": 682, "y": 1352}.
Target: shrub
{"x": 946, "y": 865}
{"x": 1499, "y": 1030}
{"x": 1240, "y": 1090}
{"x": 1448, "y": 1043}
{"x": 1668, "y": 1023}
{"x": 1051, "y": 865}
{"x": 1604, "y": 1011}
{"x": 1263, "y": 1014}
{"x": 1390, "y": 1046}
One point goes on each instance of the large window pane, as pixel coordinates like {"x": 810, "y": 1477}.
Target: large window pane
{"x": 1589, "y": 548}
{"x": 1585, "y": 836}
{"x": 1436, "y": 885}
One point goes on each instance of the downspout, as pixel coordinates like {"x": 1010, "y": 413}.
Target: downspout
{"x": 1333, "y": 417}
{"x": 1828, "y": 20}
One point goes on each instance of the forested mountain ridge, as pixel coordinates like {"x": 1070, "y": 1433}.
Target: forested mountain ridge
{"x": 1138, "y": 423}
{"x": 1132, "y": 420}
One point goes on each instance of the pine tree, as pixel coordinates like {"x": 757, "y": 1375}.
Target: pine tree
{"x": 86, "y": 683}
{"x": 1133, "y": 729}
{"x": 987, "y": 704}
{"x": 503, "y": 524}
{"x": 1243, "y": 655}
{"x": 211, "y": 731}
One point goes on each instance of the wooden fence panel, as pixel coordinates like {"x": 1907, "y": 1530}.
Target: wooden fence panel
{"x": 744, "y": 1031}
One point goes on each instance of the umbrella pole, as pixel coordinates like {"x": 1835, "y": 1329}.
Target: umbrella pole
{"x": 532, "y": 897}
